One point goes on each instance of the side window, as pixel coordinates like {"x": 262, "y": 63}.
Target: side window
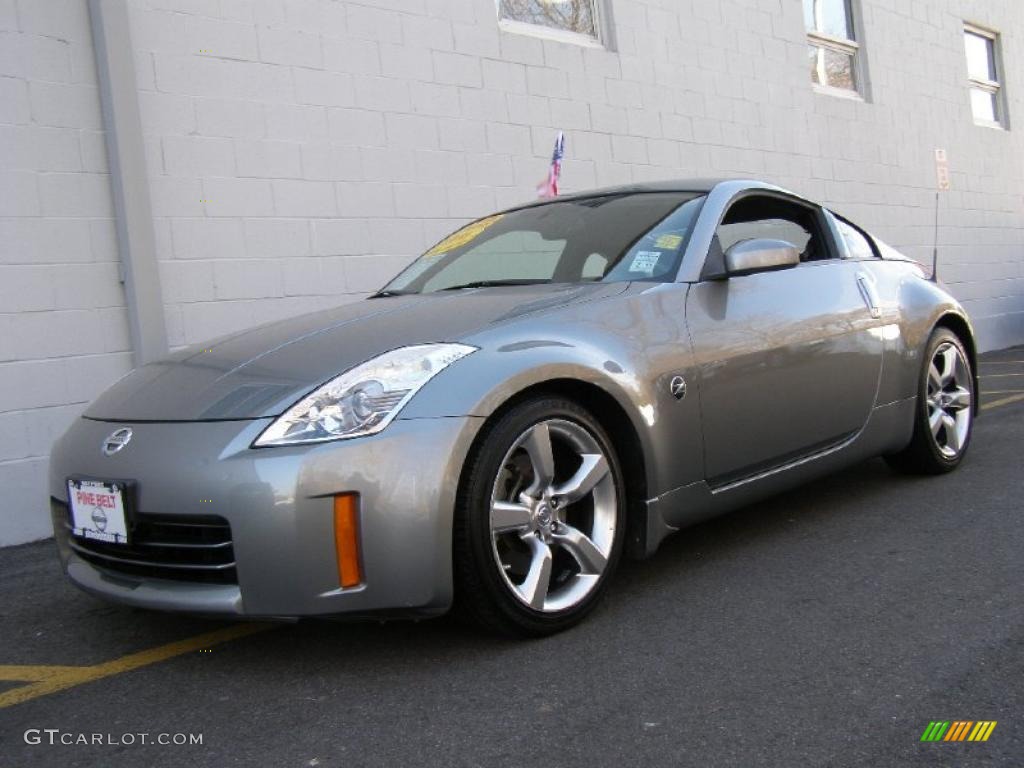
{"x": 523, "y": 255}
{"x": 857, "y": 246}
{"x": 773, "y": 218}
{"x": 656, "y": 255}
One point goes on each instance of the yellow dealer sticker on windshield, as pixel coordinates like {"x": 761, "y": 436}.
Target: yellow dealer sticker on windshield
{"x": 668, "y": 242}
{"x": 465, "y": 235}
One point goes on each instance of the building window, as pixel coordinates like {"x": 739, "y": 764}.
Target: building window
{"x": 983, "y": 76}
{"x": 832, "y": 45}
{"x": 576, "y": 21}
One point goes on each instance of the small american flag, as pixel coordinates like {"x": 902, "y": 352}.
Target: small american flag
{"x": 549, "y": 187}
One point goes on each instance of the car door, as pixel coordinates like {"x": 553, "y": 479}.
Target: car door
{"x": 789, "y": 360}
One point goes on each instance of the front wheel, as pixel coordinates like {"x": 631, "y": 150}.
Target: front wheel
{"x": 944, "y": 416}
{"x": 540, "y": 522}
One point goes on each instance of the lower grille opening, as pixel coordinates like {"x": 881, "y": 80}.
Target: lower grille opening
{"x": 195, "y": 548}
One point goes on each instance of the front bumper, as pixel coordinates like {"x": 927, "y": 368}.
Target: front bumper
{"x": 279, "y": 505}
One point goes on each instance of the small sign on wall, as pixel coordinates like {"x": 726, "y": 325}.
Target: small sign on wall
{"x": 942, "y": 170}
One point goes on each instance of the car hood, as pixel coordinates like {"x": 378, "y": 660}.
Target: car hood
{"x": 262, "y": 371}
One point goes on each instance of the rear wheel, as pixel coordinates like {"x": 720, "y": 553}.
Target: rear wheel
{"x": 540, "y": 522}
{"x": 944, "y": 414}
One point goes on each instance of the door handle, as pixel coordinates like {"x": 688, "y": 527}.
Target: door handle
{"x": 867, "y": 291}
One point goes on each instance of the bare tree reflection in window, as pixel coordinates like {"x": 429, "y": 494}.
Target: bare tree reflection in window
{"x": 832, "y": 45}
{"x": 569, "y": 15}
{"x": 832, "y": 68}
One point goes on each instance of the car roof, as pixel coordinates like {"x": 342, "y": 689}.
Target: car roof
{"x": 701, "y": 185}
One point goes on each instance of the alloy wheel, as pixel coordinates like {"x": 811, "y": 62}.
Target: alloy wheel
{"x": 553, "y": 515}
{"x": 949, "y": 399}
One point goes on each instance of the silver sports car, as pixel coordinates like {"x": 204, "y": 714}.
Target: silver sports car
{"x": 543, "y": 390}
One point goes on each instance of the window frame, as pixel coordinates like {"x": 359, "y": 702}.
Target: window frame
{"x": 992, "y": 87}
{"x": 602, "y": 28}
{"x": 713, "y": 268}
{"x": 853, "y": 47}
{"x": 834, "y": 219}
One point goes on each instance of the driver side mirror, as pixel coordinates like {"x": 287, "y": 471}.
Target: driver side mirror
{"x": 749, "y": 257}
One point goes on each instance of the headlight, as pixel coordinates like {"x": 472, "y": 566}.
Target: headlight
{"x": 365, "y": 399}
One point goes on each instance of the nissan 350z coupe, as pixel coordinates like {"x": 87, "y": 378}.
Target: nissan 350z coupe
{"x": 542, "y": 391}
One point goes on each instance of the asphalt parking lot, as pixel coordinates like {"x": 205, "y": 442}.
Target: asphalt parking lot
{"x": 825, "y": 627}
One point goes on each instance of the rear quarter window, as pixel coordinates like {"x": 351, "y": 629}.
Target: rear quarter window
{"x": 858, "y": 246}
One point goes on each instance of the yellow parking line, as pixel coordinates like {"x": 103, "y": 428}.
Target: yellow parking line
{"x": 10, "y": 672}
{"x": 43, "y": 680}
{"x": 1003, "y": 401}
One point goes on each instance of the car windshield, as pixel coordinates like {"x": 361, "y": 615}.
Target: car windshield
{"x": 610, "y": 238}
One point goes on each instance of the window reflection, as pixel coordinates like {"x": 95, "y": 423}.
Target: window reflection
{"x": 829, "y": 17}
{"x": 832, "y": 68}
{"x": 983, "y": 76}
{"x": 980, "y": 61}
{"x": 832, "y": 45}
{"x": 568, "y": 15}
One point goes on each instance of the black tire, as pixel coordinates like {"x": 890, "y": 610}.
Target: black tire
{"x": 483, "y": 593}
{"x": 924, "y": 454}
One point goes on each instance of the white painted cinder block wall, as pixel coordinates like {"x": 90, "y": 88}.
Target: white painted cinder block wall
{"x": 63, "y": 325}
{"x": 300, "y": 152}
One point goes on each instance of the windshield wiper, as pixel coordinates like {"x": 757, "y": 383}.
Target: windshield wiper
{"x": 386, "y": 292}
{"x": 495, "y": 283}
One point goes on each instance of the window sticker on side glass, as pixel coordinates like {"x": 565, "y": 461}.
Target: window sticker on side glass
{"x": 645, "y": 261}
{"x": 465, "y": 235}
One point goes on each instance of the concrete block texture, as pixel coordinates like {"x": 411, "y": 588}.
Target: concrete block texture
{"x": 300, "y": 154}
{"x": 63, "y": 325}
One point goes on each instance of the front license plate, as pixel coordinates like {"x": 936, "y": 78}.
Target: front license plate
{"x": 97, "y": 510}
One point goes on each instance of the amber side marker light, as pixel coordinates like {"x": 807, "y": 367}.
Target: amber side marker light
{"x": 346, "y": 539}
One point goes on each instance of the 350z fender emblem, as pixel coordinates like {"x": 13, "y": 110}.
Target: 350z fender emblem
{"x": 677, "y": 387}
